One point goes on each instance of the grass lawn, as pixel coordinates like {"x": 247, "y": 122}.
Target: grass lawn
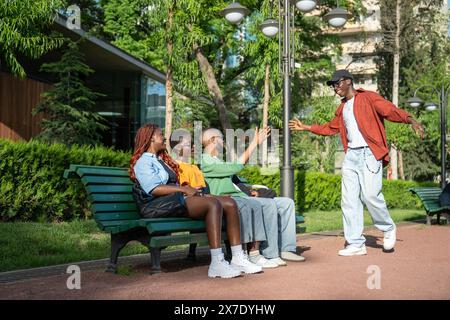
{"x": 29, "y": 244}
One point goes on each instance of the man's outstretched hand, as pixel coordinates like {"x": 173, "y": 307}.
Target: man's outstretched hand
{"x": 417, "y": 127}
{"x": 297, "y": 125}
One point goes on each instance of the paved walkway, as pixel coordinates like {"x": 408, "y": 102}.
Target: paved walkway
{"x": 417, "y": 269}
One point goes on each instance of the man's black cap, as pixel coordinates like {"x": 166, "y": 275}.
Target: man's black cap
{"x": 339, "y": 74}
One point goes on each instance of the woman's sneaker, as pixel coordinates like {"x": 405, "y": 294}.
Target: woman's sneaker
{"x": 219, "y": 267}
{"x": 259, "y": 260}
{"x": 240, "y": 262}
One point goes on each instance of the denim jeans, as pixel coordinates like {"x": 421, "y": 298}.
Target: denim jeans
{"x": 251, "y": 220}
{"x": 279, "y": 223}
{"x": 362, "y": 177}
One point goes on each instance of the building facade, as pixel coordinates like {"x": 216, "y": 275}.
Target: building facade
{"x": 134, "y": 92}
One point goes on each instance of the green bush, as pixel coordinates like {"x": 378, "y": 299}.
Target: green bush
{"x": 32, "y": 187}
{"x": 323, "y": 191}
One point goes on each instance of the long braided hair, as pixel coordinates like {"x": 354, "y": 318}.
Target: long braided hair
{"x": 142, "y": 142}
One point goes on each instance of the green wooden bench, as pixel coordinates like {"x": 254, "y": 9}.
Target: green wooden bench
{"x": 430, "y": 199}
{"x": 109, "y": 190}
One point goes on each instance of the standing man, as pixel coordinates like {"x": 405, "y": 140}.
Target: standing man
{"x": 360, "y": 122}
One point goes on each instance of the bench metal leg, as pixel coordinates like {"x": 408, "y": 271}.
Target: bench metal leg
{"x": 118, "y": 241}
{"x": 192, "y": 248}
{"x": 429, "y": 217}
{"x": 156, "y": 259}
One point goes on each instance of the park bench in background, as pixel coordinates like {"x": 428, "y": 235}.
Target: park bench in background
{"x": 430, "y": 199}
{"x": 110, "y": 191}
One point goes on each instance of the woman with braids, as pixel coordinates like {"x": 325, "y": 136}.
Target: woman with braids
{"x": 158, "y": 194}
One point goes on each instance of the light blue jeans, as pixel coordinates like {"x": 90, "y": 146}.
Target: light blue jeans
{"x": 279, "y": 223}
{"x": 362, "y": 176}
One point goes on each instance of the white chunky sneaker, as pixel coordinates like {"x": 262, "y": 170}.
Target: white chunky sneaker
{"x": 259, "y": 260}
{"x": 389, "y": 239}
{"x": 240, "y": 262}
{"x": 219, "y": 267}
{"x": 278, "y": 261}
{"x": 353, "y": 251}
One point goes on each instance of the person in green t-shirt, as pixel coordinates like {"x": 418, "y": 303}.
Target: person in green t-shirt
{"x": 278, "y": 213}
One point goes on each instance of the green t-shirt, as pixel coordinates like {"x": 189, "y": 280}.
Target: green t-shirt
{"x": 218, "y": 175}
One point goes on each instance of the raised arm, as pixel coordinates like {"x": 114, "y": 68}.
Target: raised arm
{"x": 259, "y": 137}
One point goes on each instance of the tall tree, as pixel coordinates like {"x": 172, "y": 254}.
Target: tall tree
{"x": 67, "y": 106}
{"x": 169, "y": 72}
{"x": 422, "y": 47}
{"x": 24, "y": 31}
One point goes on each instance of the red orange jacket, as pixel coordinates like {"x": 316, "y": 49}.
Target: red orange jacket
{"x": 370, "y": 110}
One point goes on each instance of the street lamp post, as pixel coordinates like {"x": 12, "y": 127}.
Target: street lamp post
{"x": 416, "y": 102}
{"x": 336, "y": 18}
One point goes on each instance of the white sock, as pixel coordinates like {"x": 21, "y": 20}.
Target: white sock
{"x": 236, "y": 250}
{"x": 216, "y": 252}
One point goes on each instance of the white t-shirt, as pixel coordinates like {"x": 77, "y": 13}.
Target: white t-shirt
{"x": 354, "y": 136}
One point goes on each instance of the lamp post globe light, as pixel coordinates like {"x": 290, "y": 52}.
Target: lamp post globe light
{"x": 336, "y": 18}
{"x": 234, "y": 12}
{"x": 306, "y": 5}
{"x": 269, "y": 28}
{"x": 416, "y": 102}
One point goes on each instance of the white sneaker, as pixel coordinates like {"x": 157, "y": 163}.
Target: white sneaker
{"x": 353, "y": 251}
{"x": 279, "y": 261}
{"x": 219, "y": 267}
{"x": 259, "y": 260}
{"x": 291, "y": 256}
{"x": 389, "y": 239}
{"x": 240, "y": 262}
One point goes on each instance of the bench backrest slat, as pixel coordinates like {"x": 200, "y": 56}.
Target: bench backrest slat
{"x": 112, "y": 216}
{"x": 113, "y": 207}
{"x": 111, "y": 197}
{"x": 102, "y": 188}
{"x": 106, "y": 180}
{"x": 84, "y": 171}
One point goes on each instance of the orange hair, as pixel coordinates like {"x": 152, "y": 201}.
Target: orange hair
{"x": 142, "y": 142}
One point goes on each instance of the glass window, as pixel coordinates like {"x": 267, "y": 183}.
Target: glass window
{"x": 153, "y": 102}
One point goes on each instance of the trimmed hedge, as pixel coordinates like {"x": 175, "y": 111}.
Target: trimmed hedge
{"x": 322, "y": 191}
{"x": 32, "y": 187}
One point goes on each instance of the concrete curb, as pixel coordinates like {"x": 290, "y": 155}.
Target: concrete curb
{"x": 101, "y": 264}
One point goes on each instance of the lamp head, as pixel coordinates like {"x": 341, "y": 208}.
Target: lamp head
{"x": 305, "y": 5}
{"x": 234, "y": 12}
{"x": 415, "y": 102}
{"x": 430, "y": 106}
{"x": 337, "y": 17}
{"x": 269, "y": 28}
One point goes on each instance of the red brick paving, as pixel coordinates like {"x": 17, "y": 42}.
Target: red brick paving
{"x": 417, "y": 269}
